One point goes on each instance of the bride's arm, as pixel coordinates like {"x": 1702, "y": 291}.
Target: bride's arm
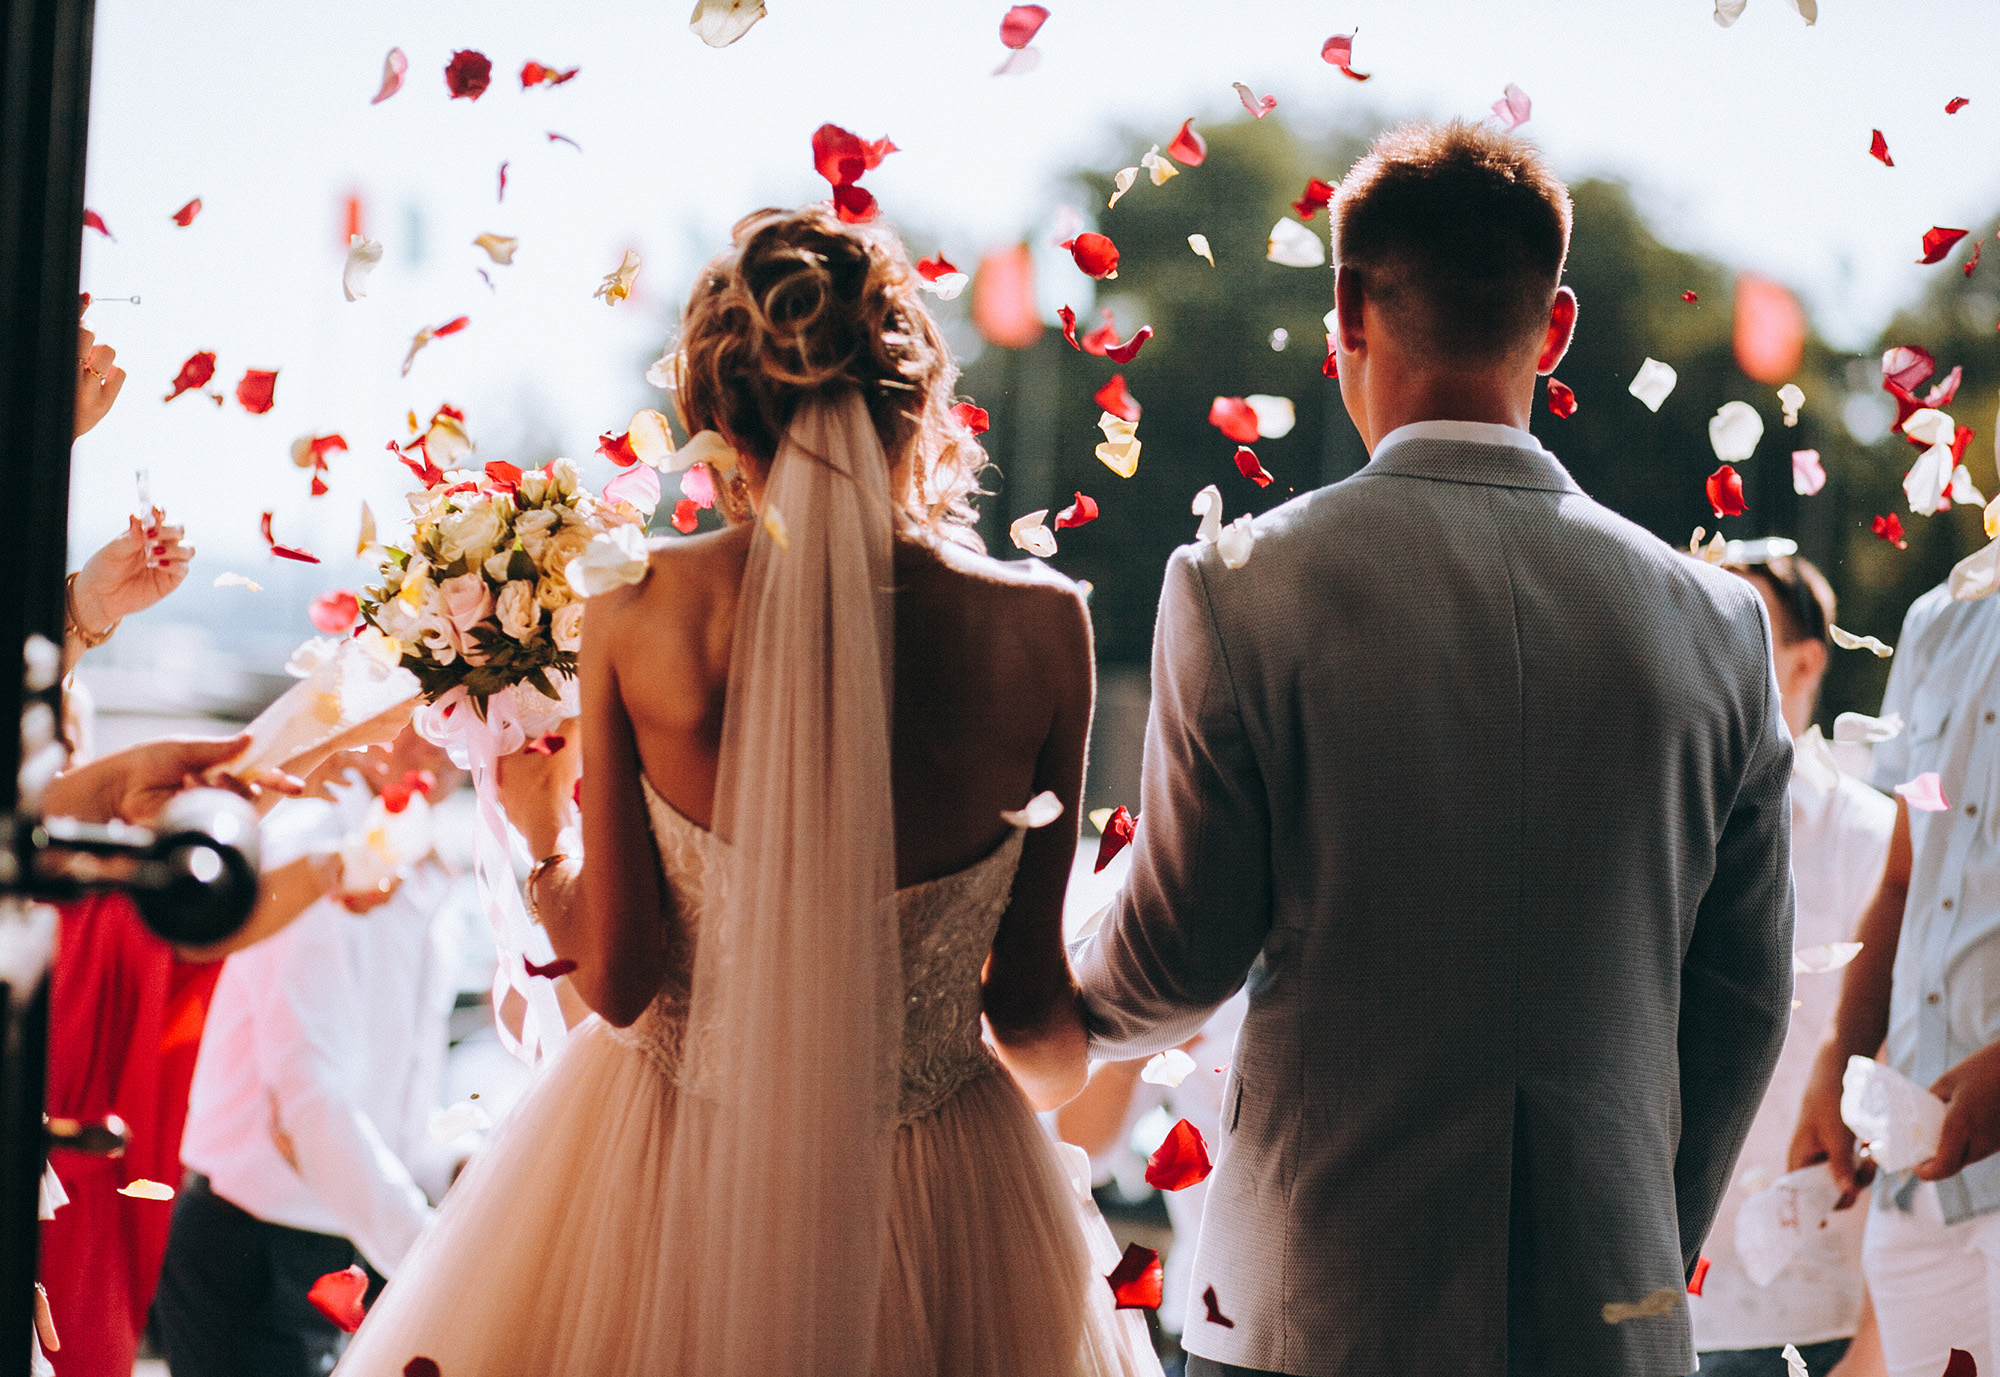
{"x": 1031, "y": 1002}
{"x": 602, "y": 909}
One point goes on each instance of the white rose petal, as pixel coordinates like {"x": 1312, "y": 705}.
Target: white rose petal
{"x": 238, "y": 581}
{"x": 1031, "y": 533}
{"x": 660, "y": 372}
{"x": 1847, "y": 640}
{"x": 720, "y": 23}
{"x": 1828, "y": 956}
{"x": 1275, "y": 415}
{"x": 1208, "y": 506}
{"x": 498, "y": 247}
{"x": 1169, "y": 1068}
{"x": 1977, "y": 575}
{"x": 1963, "y": 489}
{"x": 1930, "y": 427}
{"x": 1859, "y": 727}
{"x": 1812, "y": 761}
{"x": 1121, "y": 183}
{"x": 362, "y": 256}
{"x": 1808, "y": 474}
{"x": 611, "y": 560}
{"x": 1791, "y": 397}
{"x": 704, "y": 447}
{"x": 1925, "y": 483}
{"x": 947, "y": 287}
{"x": 517, "y": 609}
{"x": 457, "y": 1121}
{"x": 1235, "y": 541}
{"x": 1160, "y": 169}
{"x": 1653, "y": 383}
{"x": 1199, "y": 243}
{"x": 1041, "y": 810}
{"x": 1292, "y": 245}
{"x": 1734, "y": 431}
{"x": 1727, "y": 12}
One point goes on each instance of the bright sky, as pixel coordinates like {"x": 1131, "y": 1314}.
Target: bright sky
{"x": 1748, "y": 143}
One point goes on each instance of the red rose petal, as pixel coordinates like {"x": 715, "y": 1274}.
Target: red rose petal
{"x": 1878, "y": 149}
{"x": 1317, "y": 196}
{"x": 1129, "y": 350}
{"x": 1068, "y": 319}
{"x": 554, "y": 137}
{"x": 1104, "y": 338}
{"x": 1137, "y": 1280}
{"x": 1020, "y": 25}
{"x": 1700, "y": 1276}
{"x": 684, "y": 516}
{"x": 841, "y": 157}
{"x": 393, "y": 68}
{"x": 617, "y": 448}
{"x": 535, "y": 74}
{"x": 1339, "y": 51}
{"x": 1180, "y": 1161}
{"x": 974, "y": 418}
{"x": 452, "y": 327}
{"x": 1955, "y": 104}
{"x": 338, "y": 1296}
{"x": 429, "y": 474}
{"x": 1118, "y": 830}
{"x": 1248, "y": 465}
{"x": 1081, "y": 512}
{"x": 334, "y": 613}
{"x": 854, "y": 205}
{"x": 468, "y": 74}
{"x": 1094, "y": 253}
{"x": 1960, "y": 1364}
{"x": 322, "y": 445}
{"x": 1117, "y": 399}
{"x": 395, "y": 797}
{"x": 1258, "y": 106}
{"x": 421, "y": 1367}
{"x": 194, "y": 373}
{"x": 1907, "y": 365}
{"x": 1941, "y": 394}
{"x": 931, "y": 269}
{"x": 562, "y": 965}
{"x": 256, "y": 390}
{"x": 1959, "y": 440}
{"x": 504, "y": 476}
{"x": 319, "y": 487}
{"x": 1331, "y": 367}
{"x": 1690, "y": 298}
{"x": 1725, "y": 491}
{"x": 92, "y": 220}
{"x": 284, "y": 551}
{"x": 185, "y": 215}
{"x": 1188, "y": 147}
{"x": 503, "y": 183}
{"x": 1972, "y": 263}
{"x": 1562, "y": 401}
{"x": 1235, "y": 418}
{"x": 420, "y": 781}
{"x": 546, "y": 744}
{"x": 1215, "y": 1315}
{"x": 1938, "y": 242}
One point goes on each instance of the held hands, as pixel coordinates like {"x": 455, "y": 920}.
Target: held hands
{"x": 131, "y": 573}
{"x": 133, "y": 785}
{"x": 332, "y": 875}
{"x": 1823, "y": 1136}
{"x": 98, "y": 380}
{"x": 1971, "y": 1132}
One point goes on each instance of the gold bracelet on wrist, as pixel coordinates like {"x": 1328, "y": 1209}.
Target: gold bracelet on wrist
{"x": 89, "y": 640}
{"x": 541, "y": 868}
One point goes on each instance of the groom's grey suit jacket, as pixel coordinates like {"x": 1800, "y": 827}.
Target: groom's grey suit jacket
{"x": 1482, "y": 788}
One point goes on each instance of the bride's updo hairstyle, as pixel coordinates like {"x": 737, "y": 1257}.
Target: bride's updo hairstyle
{"x": 801, "y": 307}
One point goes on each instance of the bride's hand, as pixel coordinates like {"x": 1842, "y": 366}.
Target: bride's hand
{"x": 538, "y": 787}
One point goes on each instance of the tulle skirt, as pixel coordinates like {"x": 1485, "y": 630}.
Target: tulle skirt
{"x": 551, "y": 1255}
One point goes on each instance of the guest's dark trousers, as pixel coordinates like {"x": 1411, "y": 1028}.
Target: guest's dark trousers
{"x": 232, "y": 1298}
{"x": 1198, "y": 1366}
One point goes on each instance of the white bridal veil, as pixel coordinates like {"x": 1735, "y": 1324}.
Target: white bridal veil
{"x": 779, "y": 1184}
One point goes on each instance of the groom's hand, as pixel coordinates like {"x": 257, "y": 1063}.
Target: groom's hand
{"x": 1822, "y": 1135}
{"x": 1971, "y": 1132}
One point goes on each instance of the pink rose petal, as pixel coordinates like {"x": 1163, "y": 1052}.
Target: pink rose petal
{"x": 1925, "y": 793}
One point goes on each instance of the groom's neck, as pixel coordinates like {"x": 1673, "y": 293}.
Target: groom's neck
{"x": 1393, "y": 398}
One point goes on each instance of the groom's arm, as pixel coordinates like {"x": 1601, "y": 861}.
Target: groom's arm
{"x": 1195, "y": 911}
{"x": 1736, "y": 983}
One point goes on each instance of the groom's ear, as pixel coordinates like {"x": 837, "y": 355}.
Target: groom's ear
{"x": 1349, "y": 298}
{"x": 1562, "y": 327}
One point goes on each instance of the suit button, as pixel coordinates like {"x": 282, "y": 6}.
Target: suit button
{"x": 1989, "y": 717}
{"x": 1972, "y": 810}
{"x": 1933, "y": 997}
{"x": 1946, "y": 905}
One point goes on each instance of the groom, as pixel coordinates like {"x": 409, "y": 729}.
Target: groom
{"x": 1481, "y": 790}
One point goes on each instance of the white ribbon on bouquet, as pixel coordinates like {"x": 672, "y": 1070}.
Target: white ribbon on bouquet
{"x": 514, "y": 717}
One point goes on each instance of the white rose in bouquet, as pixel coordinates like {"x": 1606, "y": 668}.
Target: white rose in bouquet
{"x": 471, "y": 533}
{"x": 533, "y": 529}
{"x": 467, "y": 601}
{"x": 566, "y": 626}
{"x": 553, "y": 592}
{"x": 519, "y": 614}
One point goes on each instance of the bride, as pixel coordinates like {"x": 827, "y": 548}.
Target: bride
{"x": 783, "y": 1146}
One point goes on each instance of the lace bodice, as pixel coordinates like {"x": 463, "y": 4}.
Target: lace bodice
{"x": 947, "y": 926}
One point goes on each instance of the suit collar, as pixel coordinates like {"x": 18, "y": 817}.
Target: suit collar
{"x": 1467, "y": 452}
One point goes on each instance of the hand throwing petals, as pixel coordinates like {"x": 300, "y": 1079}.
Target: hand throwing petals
{"x": 1020, "y": 24}
{"x": 719, "y": 23}
{"x": 1925, "y": 793}
{"x": 1199, "y": 243}
{"x": 1180, "y": 1161}
{"x": 1292, "y": 245}
{"x": 1137, "y": 1280}
{"x": 1117, "y": 834}
{"x": 1188, "y": 147}
{"x": 1734, "y": 431}
{"x": 1168, "y": 1068}
{"x": 1031, "y": 533}
{"x": 393, "y": 68}
{"x": 338, "y": 1296}
{"x": 1257, "y": 105}
{"x": 1041, "y": 810}
{"x": 1808, "y": 474}
{"x": 1081, "y": 512}
{"x": 468, "y": 74}
{"x": 362, "y": 256}
{"x": 1654, "y": 383}
{"x": 1725, "y": 492}
{"x": 1847, "y": 640}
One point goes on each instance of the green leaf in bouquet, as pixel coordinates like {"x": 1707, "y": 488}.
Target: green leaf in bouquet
{"x": 522, "y": 565}
{"x": 541, "y": 683}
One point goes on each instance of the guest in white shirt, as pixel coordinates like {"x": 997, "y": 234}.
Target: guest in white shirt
{"x": 1840, "y": 841}
{"x": 308, "y": 1132}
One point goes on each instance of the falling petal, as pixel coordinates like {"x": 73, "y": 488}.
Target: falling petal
{"x": 195, "y": 373}
{"x": 1847, "y": 640}
{"x": 1248, "y": 465}
{"x": 142, "y": 1189}
{"x": 1828, "y": 956}
{"x": 1513, "y": 107}
{"x": 339, "y": 1296}
{"x": 1257, "y": 105}
{"x": 429, "y": 333}
{"x": 1117, "y": 399}
{"x": 1199, "y": 243}
{"x": 561, "y": 966}
{"x": 1188, "y": 147}
{"x": 1734, "y": 431}
{"x": 468, "y": 74}
{"x": 1960, "y": 1364}
{"x": 1938, "y": 242}
{"x": 614, "y": 559}
{"x": 92, "y": 220}
{"x": 698, "y": 486}
{"x": 1808, "y": 474}
{"x": 1081, "y": 512}
{"x": 1041, "y": 810}
{"x": 1963, "y": 489}
{"x": 499, "y": 247}
{"x": 284, "y": 551}
{"x": 1339, "y": 51}
{"x": 1214, "y": 1306}
{"x": 1157, "y": 167}
{"x": 457, "y": 1121}
{"x": 1129, "y": 350}
{"x": 1168, "y": 1068}
{"x": 1180, "y": 1161}
{"x": 1137, "y": 1280}
{"x": 1236, "y": 418}
{"x": 535, "y": 74}
{"x": 554, "y": 137}
{"x": 185, "y": 215}
{"x": 1317, "y": 196}
{"x": 1031, "y": 533}
{"x": 1235, "y": 542}
{"x": 1095, "y": 254}
{"x": 1865, "y": 730}
{"x": 256, "y": 390}
{"x": 1878, "y": 148}
{"x": 774, "y": 526}
{"x": 649, "y": 440}
{"x": 1725, "y": 492}
{"x": 1292, "y": 245}
{"x": 1562, "y": 401}
{"x": 1275, "y": 415}
{"x": 1208, "y": 506}
{"x": 1955, "y": 104}
{"x": 1120, "y": 184}
{"x": 685, "y": 518}
{"x": 1120, "y": 450}
{"x": 1727, "y": 12}
{"x": 617, "y": 285}
{"x": 1791, "y": 397}
{"x": 238, "y": 581}
{"x": 1924, "y": 485}
{"x": 365, "y": 541}
{"x": 334, "y": 612}
{"x": 393, "y": 68}
{"x": 719, "y": 23}
{"x": 503, "y": 183}
{"x": 1890, "y": 529}
{"x": 638, "y": 486}
{"x": 362, "y": 256}
{"x": 1925, "y": 793}
{"x": 973, "y": 418}
{"x": 1020, "y": 24}
{"x": 1654, "y": 383}
{"x": 1116, "y": 834}
{"x": 1690, "y": 297}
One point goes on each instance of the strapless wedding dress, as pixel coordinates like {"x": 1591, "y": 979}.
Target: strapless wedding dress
{"x": 551, "y": 1257}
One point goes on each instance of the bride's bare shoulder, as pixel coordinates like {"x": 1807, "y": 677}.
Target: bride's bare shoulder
{"x": 950, "y": 579}
{"x": 683, "y": 576}
{"x": 982, "y": 575}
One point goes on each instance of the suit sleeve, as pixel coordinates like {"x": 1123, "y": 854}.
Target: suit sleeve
{"x": 1196, "y": 909}
{"x": 1736, "y": 981}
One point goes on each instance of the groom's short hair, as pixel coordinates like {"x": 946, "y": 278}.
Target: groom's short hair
{"x": 1458, "y": 232}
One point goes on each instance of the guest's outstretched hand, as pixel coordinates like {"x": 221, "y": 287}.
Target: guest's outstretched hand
{"x": 98, "y": 379}
{"x": 132, "y": 572}
{"x": 1822, "y": 1135}
{"x": 1971, "y": 1132}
